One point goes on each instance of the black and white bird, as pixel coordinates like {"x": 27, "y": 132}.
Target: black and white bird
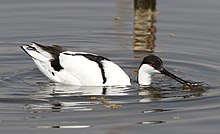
{"x": 88, "y": 69}
{"x": 75, "y": 68}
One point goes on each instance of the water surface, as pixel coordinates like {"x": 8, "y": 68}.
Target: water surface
{"x": 187, "y": 39}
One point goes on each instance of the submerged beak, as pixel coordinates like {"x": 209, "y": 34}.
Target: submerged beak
{"x": 167, "y": 73}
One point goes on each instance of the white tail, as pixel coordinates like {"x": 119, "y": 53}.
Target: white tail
{"x": 42, "y": 53}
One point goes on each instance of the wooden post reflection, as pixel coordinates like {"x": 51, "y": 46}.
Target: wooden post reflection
{"x": 144, "y": 25}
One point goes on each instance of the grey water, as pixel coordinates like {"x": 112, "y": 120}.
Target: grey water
{"x": 187, "y": 39}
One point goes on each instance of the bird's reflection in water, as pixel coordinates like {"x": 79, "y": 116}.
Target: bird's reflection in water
{"x": 57, "y": 97}
{"x": 149, "y": 94}
{"x": 154, "y": 93}
{"x": 56, "y": 89}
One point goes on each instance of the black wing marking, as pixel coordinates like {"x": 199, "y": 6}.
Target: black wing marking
{"x": 54, "y": 50}
{"x": 55, "y": 63}
{"x": 96, "y": 58}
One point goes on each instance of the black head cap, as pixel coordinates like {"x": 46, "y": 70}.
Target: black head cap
{"x": 153, "y": 61}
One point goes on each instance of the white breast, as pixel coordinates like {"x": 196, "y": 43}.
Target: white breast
{"x": 115, "y": 75}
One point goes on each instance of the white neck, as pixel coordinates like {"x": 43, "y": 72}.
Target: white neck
{"x": 145, "y": 73}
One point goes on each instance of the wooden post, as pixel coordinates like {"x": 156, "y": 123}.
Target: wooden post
{"x": 144, "y": 25}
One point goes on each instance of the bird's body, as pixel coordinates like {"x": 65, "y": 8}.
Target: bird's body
{"x": 87, "y": 69}
{"x": 76, "y": 68}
